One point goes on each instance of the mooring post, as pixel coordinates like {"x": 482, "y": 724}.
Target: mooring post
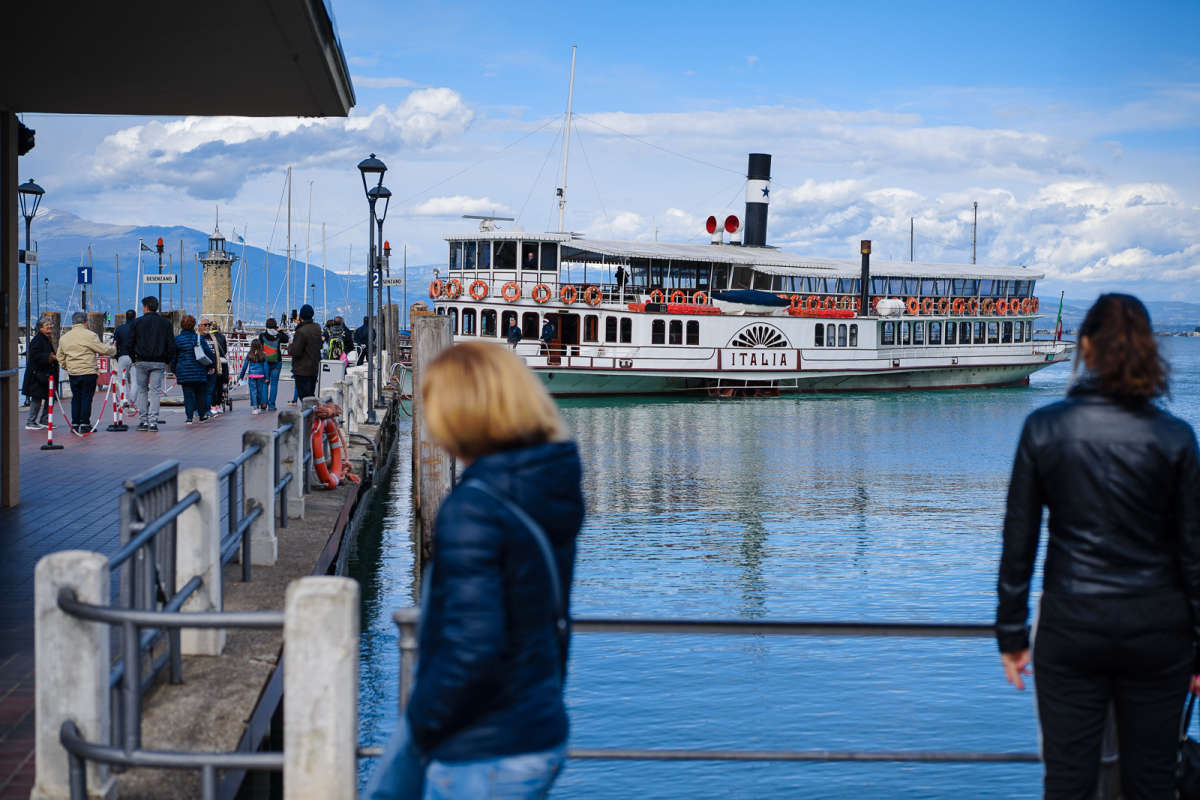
{"x": 292, "y": 443}
{"x": 258, "y": 476}
{"x": 433, "y": 468}
{"x": 198, "y": 552}
{"x": 408, "y": 620}
{"x": 320, "y": 689}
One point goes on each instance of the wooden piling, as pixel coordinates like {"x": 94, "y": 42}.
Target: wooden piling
{"x": 433, "y": 468}
{"x": 95, "y": 321}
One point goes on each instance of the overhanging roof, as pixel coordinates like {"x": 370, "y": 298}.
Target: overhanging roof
{"x": 252, "y": 58}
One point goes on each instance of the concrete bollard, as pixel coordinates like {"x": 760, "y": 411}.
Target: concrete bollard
{"x": 259, "y": 487}
{"x": 293, "y": 443}
{"x": 73, "y": 661}
{"x": 198, "y": 552}
{"x": 320, "y": 689}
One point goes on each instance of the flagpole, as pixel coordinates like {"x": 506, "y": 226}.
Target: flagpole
{"x": 137, "y": 285}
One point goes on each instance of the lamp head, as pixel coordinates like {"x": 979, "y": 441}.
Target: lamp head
{"x": 30, "y": 195}
{"x": 373, "y": 167}
{"x": 377, "y": 193}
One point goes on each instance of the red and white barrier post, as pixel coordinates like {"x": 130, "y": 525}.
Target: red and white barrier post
{"x": 118, "y": 424}
{"x": 50, "y": 445}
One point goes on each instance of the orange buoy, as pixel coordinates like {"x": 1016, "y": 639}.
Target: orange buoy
{"x": 568, "y": 294}
{"x": 658, "y": 296}
{"x": 328, "y": 478}
{"x": 912, "y": 305}
{"x": 541, "y": 293}
{"x": 435, "y": 288}
{"x": 453, "y": 288}
{"x": 678, "y": 296}
{"x": 1036, "y": 304}
{"x": 813, "y": 303}
{"x": 592, "y": 295}
{"x": 479, "y": 290}
{"x": 701, "y": 299}
{"x": 973, "y": 305}
{"x": 927, "y": 305}
{"x": 958, "y": 305}
{"x": 943, "y": 305}
{"x": 511, "y": 292}
{"x": 988, "y": 306}
{"x": 796, "y": 303}
{"x": 1002, "y": 306}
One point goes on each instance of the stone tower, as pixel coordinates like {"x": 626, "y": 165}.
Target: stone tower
{"x": 217, "y": 303}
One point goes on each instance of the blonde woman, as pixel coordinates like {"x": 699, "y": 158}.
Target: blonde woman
{"x": 486, "y": 718}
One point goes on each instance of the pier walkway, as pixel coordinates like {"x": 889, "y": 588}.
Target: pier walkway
{"x": 69, "y": 500}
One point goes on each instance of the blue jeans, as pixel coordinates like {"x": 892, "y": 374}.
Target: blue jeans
{"x": 404, "y": 774}
{"x": 193, "y": 399}
{"x": 258, "y": 392}
{"x": 273, "y": 378}
{"x": 208, "y": 394}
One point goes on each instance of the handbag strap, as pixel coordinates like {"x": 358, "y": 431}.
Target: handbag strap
{"x": 1187, "y": 717}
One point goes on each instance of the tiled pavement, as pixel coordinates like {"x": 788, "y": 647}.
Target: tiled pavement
{"x": 69, "y": 500}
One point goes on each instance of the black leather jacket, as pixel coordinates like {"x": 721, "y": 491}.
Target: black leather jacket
{"x": 1123, "y": 488}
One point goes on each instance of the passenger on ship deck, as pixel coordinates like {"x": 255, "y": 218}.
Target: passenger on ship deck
{"x": 1120, "y": 608}
{"x": 486, "y": 718}
{"x": 548, "y": 337}
{"x": 514, "y": 335}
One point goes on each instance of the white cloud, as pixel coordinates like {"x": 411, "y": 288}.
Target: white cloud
{"x": 460, "y": 204}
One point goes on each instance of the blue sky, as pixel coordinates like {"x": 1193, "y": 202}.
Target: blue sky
{"x": 1074, "y": 126}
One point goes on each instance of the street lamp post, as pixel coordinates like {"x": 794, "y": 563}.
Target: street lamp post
{"x": 387, "y": 273}
{"x": 375, "y": 168}
{"x": 159, "y": 247}
{"x": 31, "y": 197}
{"x": 380, "y": 193}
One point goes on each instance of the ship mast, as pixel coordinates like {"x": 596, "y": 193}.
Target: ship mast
{"x": 562, "y": 189}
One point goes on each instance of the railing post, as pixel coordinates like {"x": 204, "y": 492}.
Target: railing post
{"x": 198, "y": 552}
{"x": 292, "y": 443}
{"x": 72, "y": 657}
{"x": 320, "y": 689}
{"x": 305, "y": 404}
{"x": 259, "y": 477}
{"x": 408, "y": 620}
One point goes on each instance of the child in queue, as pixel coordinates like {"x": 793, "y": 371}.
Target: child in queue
{"x": 254, "y": 370}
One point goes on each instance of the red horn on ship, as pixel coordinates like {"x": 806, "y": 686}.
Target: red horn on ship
{"x": 710, "y": 225}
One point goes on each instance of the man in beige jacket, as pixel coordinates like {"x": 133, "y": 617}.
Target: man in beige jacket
{"x": 77, "y": 351}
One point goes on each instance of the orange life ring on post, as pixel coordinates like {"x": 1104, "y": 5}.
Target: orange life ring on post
{"x": 958, "y": 305}
{"x": 453, "y": 288}
{"x": 435, "y": 288}
{"x": 927, "y": 305}
{"x": 973, "y": 305}
{"x": 701, "y": 299}
{"x": 658, "y": 296}
{"x": 511, "y": 292}
{"x": 813, "y": 303}
{"x": 541, "y": 293}
{"x": 943, "y": 305}
{"x": 568, "y": 294}
{"x": 988, "y": 306}
{"x": 320, "y": 461}
{"x": 482, "y": 290}
{"x": 592, "y": 295}
{"x": 1002, "y": 306}
{"x": 678, "y": 296}
{"x": 913, "y": 306}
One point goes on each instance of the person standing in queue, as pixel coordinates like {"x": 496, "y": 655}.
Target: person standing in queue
{"x": 40, "y": 363}
{"x": 77, "y": 351}
{"x": 306, "y": 354}
{"x": 152, "y": 345}
{"x": 273, "y": 341}
{"x": 192, "y": 374}
{"x": 1120, "y": 608}
{"x": 122, "y": 337}
{"x": 486, "y": 718}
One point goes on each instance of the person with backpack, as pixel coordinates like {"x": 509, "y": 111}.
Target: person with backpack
{"x": 306, "y": 354}
{"x": 273, "y": 341}
{"x": 255, "y": 370}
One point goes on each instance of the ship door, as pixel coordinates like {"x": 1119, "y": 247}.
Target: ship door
{"x": 568, "y": 334}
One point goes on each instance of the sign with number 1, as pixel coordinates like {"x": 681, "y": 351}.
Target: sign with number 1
{"x": 84, "y": 276}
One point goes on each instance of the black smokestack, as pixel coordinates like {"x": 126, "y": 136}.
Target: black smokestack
{"x": 758, "y": 195}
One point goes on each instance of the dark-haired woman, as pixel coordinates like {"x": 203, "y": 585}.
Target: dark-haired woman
{"x": 1120, "y": 610}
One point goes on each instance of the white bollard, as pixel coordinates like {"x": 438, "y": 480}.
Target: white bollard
{"x": 73, "y": 662}
{"x": 259, "y": 487}
{"x": 320, "y": 689}
{"x": 293, "y": 443}
{"x": 198, "y": 552}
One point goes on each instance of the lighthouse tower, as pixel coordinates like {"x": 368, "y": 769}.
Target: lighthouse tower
{"x": 217, "y": 302}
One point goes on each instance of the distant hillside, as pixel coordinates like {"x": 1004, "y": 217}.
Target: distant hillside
{"x": 1167, "y": 315}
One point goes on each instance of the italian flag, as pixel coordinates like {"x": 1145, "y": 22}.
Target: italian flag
{"x": 1058, "y": 322}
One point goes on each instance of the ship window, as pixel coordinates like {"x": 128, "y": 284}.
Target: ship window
{"x": 1029, "y": 331}
{"x": 505, "y": 254}
{"x": 927, "y": 287}
{"x": 455, "y": 255}
{"x": 638, "y": 276}
{"x": 979, "y": 332}
{"x": 626, "y": 330}
{"x": 529, "y": 325}
{"x": 970, "y": 287}
{"x": 964, "y": 333}
{"x": 487, "y": 322}
{"x": 777, "y": 284}
{"x": 742, "y": 277}
{"x": 453, "y": 315}
{"x": 693, "y": 332}
{"x": 683, "y": 277}
{"x": 993, "y": 333}
{"x": 762, "y": 282}
{"x": 878, "y": 285}
{"x": 658, "y": 332}
{"x": 529, "y": 255}
{"x": 905, "y": 333}
{"x": 842, "y": 331}
{"x": 958, "y": 287}
{"x": 658, "y": 270}
{"x": 720, "y": 278}
{"x": 702, "y": 277}
{"x": 610, "y": 329}
{"x": 935, "y": 333}
{"x": 830, "y": 335}
{"x": 507, "y": 320}
{"x": 484, "y": 256}
{"x": 549, "y": 257}
{"x": 918, "y": 333}
{"x": 1019, "y": 332}
{"x": 676, "y": 332}
{"x": 1006, "y": 333}
{"x": 987, "y": 288}
{"x": 1022, "y": 289}
{"x": 887, "y": 333}
{"x": 468, "y": 322}
{"x": 895, "y": 286}
{"x": 951, "y": 333}
{"x": 942, "y": 287}
{"x": 910, "y": 286}
{"x": 854, "y": 336}
{"x": 819, "y": 335}
{"x": 1002, "y": 288}
{"x": 468, "y": 255}
{"x": 591, "y": 328}
{"x": 845, "y": 285}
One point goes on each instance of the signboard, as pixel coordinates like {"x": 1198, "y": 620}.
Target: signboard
{"x": 393, "y": 281}
{"x": 376, "y": 277}
{"x": 83, "y": 275}
{"x": 27, "y": 257}
{"x": 159, "y": 279}
{"x": 758, "y": 358}
{"x": 102, "y": 363}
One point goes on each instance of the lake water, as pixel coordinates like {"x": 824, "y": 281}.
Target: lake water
{"x": 840, "y": 507}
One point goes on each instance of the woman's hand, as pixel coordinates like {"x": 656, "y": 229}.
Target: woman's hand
{"x": 1016, "y": 664}
{"x": 1196, "y": 685}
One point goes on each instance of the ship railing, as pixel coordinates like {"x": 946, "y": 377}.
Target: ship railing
{"x": 1044, "y": 347}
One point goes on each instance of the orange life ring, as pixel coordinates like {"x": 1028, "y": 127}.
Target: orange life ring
{"x": 795, "y": 302}
{"x": 435, "y": 288}
{"x": 1036, "y": 304}
{"x": 541, "y": 293}
{"x": 1014, "y": 306}
{"x": 857, "y": 305}
{"x": 678, "y": 296}
{"x": 828, "y": 302}
{"x": 875, "y": 303}
{"x": 927, "y": 305}
{"x": 1027, "y": 305}
{"x": 592, "y": 295}
{"x": 913, "y": 306}
{"x": 943, "y": 305}
{"x": 453, "y": 288}
{"x": 701, "y": 299}
{"x": 1002, "y": 306}
{"x": 513, "y": 295}
{"x": 958, "y": 305}
{"x": 658, "y": 296}
{"x": 973, "y": 305}
{"x": 482, "y": 290}
{"x": 813, "y": 303}
{"x": 328, "y": 468}
{"x": 568, "y": 294}
{"x": 844, "y": 303}
{"x": 988, "y": 306}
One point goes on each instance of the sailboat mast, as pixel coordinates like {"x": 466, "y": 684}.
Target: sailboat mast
{"x": 307, "y": 242}
{"x": 287, "y": 295}
{"x": 562, "y": 189}
{"x": 324, "y": 278}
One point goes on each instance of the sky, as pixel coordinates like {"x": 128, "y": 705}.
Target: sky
{"x": 1074, "y": 126}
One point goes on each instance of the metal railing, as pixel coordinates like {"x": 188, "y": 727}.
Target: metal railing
{"x": 306, "y": 417}
{"x": 237, "y": 520}
{"x": 282, "y": 479}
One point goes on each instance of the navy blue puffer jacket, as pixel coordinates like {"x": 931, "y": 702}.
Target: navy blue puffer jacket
{"x": 490, "y": 676}
{"x": 186, "y": 368}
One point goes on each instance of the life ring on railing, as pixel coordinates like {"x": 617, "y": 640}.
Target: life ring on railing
{"x": 1026, "y": 306}
{"x": 1036, "y": 304}
{"x": 453, "y": 288}
{"x": 678, "y": 296}
{"x": 541, "y": 293}
{"x": 701, "y": 299}
{"x": 927, "y": 305}
{"x": 1002, "y": 306}
{"x": 943, "y": 305}
{"x": 435, "y": 288}
{"x": 511, "y": 292}
{"x": 913, "y": 306}
{"x": 592, "y": 295}
{"x": 829, "y": 303}
{"x": 795, "y": 303}
{"x": 483, "y": 290}
{"x": 568, "y": 294}
{"x": 988, "y": 306}
{"x": 973, "y": 305}
{"x": 875, "y": 303}
{"x": 813, "y": 302}
{"x": 328, "y": 467}
{"x": 844, "y": 303}
{"x": 1014, "y": 306}
{"x": 658, "y": 296}
{"x": 958, "y": 305}
{"x": 857, "y": 305}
